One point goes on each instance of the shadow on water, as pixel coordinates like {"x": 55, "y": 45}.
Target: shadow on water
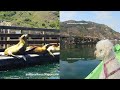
{"x": 77, "y": 61}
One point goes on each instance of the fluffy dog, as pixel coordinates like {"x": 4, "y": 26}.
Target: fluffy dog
{"x": 111, "y": 66}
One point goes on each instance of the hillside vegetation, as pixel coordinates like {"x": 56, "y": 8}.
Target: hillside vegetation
{"x": 38, "y": 19}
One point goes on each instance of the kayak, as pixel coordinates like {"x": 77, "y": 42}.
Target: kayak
{"x": 96, "y": 72}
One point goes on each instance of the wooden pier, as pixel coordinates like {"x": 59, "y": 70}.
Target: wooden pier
{"x": 8, "y": 63}
{"x": 9, "y": 35}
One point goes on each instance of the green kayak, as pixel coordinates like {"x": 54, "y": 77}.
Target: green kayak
{"x": 96, "y": 72}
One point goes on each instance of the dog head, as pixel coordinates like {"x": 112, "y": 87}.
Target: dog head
{"x": 104, "y": 49}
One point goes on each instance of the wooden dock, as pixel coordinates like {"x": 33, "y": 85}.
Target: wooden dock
{"x": 8, "y": 63}
{"x": 9, "y": 35}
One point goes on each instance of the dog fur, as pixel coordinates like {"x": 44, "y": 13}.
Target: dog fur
{"x": 105, "y": 51}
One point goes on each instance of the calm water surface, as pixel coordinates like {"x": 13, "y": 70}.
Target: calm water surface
{"x": 77, "y": 61}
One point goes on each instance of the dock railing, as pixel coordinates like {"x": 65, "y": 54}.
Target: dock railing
{"x": 9, "y": 35}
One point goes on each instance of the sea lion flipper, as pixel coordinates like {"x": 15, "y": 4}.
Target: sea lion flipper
{"x": 15, "y": 56}
{"x": 24, "y": 57}
{"x": 51, "y": 53}
{"x": 11, "y": 54}
{"x": 19, "y": 57}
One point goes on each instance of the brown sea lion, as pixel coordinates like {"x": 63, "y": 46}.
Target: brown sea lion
{"x": 19, "y": 48}
{"x": 39, "y": 49}
{"x": 54, "y": 48}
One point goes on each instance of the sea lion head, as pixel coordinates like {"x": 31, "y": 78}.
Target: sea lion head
{"x": 24, "y": 37}
{"x": 47, "y": 45}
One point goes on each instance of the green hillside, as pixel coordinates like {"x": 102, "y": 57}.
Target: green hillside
{"x": 38, "y": 19}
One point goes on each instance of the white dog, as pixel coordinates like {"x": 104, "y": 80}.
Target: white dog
{"x": 111, "y": 66}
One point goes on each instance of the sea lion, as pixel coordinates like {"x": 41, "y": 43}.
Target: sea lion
{"x": 39, "y": 49}
{"x": 54, "y": 48}
{"x": 19, "y": 48}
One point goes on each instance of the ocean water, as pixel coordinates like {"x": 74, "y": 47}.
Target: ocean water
{"x": 46, "y": 71}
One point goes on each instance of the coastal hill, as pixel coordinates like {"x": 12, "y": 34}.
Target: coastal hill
{"x": 88, "y": 28}
{"x": 36, "y": 19}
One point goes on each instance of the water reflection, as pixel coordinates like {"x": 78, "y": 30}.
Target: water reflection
{"x": 78, "y": 51}
{"x": 77, "y": 70}
{"x": 77, "y": 61}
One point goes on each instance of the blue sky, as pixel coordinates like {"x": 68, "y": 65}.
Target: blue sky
{"x": 109, "y": 18}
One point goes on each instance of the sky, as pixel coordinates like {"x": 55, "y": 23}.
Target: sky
{"x": 109, "y": 18}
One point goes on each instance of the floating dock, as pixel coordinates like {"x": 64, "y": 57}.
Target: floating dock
{"x": 8, "y": 63}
